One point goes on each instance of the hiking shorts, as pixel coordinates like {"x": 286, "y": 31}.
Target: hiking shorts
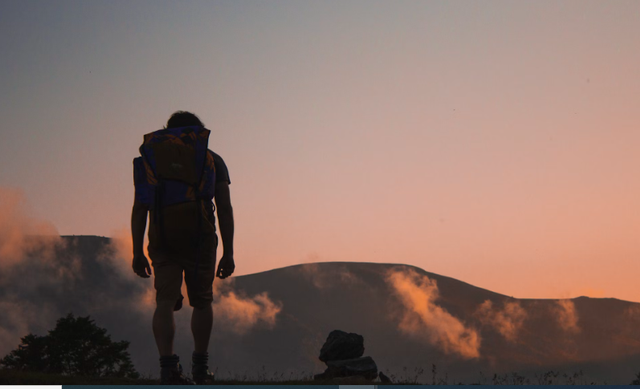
{"x": 170, "y": 266}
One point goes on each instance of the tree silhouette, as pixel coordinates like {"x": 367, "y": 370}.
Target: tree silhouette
{"x": 75, "y": 347}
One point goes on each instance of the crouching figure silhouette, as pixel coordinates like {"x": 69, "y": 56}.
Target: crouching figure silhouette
{"x": 176, "y": 181}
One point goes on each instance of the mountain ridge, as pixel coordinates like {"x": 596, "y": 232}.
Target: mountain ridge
{"x": 108, "y": 239}
{"x": 279, "y": 319}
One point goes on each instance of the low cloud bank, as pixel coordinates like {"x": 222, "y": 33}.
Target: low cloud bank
{"x": 21, "y": 234}
{"x": 567, "y": 315}
{"x": 71, "y": 276}
{"x": 235, "y": 312}
{"x": 323, "y": 277}
{"x": 425, "y": 320}
{"x": 44, "y": 276}
{"x": 633, "y": 312}
{"x": 232, "y": 311}
{"x": 508, "y": 320}
{"x": 120, "y": 253}
{"x": 29, "y": 268}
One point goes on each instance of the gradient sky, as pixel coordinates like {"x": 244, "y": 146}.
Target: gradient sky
{"x": 496, "y": 142}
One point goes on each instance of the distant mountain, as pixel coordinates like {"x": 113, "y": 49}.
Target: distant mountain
{"x": 528, "y": 336}
{"x": 274, "y": 323}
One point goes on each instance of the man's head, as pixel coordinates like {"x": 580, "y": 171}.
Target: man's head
{"x": 183, "y": 119}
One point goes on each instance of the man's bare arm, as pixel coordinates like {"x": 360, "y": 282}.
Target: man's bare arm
{"x": 225, "y": 217}
{"x": 138, "y": 225}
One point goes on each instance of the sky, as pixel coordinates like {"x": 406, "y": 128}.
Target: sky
{"x": 494, "y": 142}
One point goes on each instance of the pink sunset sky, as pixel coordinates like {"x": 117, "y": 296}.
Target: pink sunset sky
{"x": 495, "y": 142}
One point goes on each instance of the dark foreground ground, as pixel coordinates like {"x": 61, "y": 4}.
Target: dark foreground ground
{"x": 12, "y": 377}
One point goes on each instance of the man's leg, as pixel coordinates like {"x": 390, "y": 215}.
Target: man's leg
{"x": 201, "y": 324}
{"x": 164, "y": 327}
{"x": 200, "y": 291}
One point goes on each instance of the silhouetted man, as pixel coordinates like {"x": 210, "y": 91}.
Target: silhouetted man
{"x": 176, "y": 180}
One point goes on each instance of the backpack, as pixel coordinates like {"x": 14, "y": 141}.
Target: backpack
{"x": 173, "y": 177}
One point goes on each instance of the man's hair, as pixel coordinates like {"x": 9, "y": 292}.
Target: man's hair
{"x": 183, "y": 119}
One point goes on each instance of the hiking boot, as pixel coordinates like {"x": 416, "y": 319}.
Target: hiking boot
{"x": 202, "y": 375}
{"x": 174, "y": 376}
{"x": 171, "y": 372}
{"x": 200, "y": 369}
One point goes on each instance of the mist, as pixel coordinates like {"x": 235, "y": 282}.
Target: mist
{"x": 45, "y": 276}
{"x": 427, "y": 321}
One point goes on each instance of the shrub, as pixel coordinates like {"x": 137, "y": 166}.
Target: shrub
{"x": 76, "y": 346}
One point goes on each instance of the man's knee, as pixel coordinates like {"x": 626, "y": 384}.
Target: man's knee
{"x": 198, "y": 297}
{"x": 165, "y": 304}
{"x": 200, "y": 304}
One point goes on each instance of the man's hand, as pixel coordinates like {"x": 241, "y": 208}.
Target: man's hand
{"x": 141, "y": 266}
{"x": 226, "y": 266}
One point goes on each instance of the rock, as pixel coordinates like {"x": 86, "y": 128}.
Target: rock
{"x": 341, "y": 346}
{"x": 362, "y": 367}
{"x": 319, "y": 377}
{"x": 384, "y": 379}
{"x": 342, "y": 352}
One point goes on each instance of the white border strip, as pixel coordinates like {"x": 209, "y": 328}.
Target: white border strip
{"x": 30, "y": 386}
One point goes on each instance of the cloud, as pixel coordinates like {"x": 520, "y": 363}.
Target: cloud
{"x": 35, "y": 265}
{"x": 232, "y": 311}
{"x": 633, "y": 312}
{"x": 118, "y": 254}
{"x": 38, "y": 289}
{"x": 567, "y": 315}
{"x": 425, "y": 320}
{"x": 238, "y": 313}
{"x": 14, "y": 323}
{"x": 323, "y": 277}
{"x": 44, "y": 276}
{"x": 507, "y": 321}
{"x": 21, "y": 234}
